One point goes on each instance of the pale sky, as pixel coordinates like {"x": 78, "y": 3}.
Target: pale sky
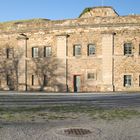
{"x": 60, "y": 9}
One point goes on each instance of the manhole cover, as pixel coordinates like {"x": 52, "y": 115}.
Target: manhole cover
{"x": 77, "y": 131}
{"x": 74, "y": 132}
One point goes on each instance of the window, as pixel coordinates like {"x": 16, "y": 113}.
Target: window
{"x": 33, "y": 80}
{"x": 77, "y": 50}
{"x": 127, "y": 80}
{"x": 90, "y": 76}
{"x": 47, "y": 51}
{"x": 127, "y": 48}
{"x": 9, "y": 52}
{"x": 139, "y": 49}
{"x": 8, "y": 79}
{"x": 91, "y": 49}
{"x": 45, "y": 80}
{"x": 139, "y": 80}
{"x": 34, "y": 52}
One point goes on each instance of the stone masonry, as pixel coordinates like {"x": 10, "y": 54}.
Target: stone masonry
{"x": 109, "y": 68}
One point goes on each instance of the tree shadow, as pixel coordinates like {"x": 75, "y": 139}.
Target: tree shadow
{"x": 9, "y": 67}
{"x": 50, "y": 72}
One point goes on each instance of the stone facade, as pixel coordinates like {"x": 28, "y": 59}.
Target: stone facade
{"x": 107, "y": 68}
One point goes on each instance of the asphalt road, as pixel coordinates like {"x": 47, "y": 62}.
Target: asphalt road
{"x": 101, "y": 100}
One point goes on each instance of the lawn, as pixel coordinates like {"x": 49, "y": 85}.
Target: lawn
{"x": 61, "y": 112}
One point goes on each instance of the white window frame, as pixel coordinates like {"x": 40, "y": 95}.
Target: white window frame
{"x": 90, "y": 51}
{"x": 127, "y": 80}
{"x": 47, "y": 51}
{"x": 76, "y": 51}
{"x": 35, "y": 52}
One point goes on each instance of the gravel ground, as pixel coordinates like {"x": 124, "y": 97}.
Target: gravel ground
{"x": 127, "y": 129}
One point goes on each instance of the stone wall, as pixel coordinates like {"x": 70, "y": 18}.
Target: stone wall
{"x": 109, "y": 64}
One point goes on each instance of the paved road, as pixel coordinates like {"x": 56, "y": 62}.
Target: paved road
{"x": 103, "y": 100}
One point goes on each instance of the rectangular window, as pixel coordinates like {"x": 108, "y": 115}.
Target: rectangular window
{"x": 45, "y": 80}
{"x": 127, "y": 80}
{"x": 47, "y": 51}
{"x": 33, "y": 80}
{"x": 34, "y": 52}
{"x": 77, "y": 50}
{"x": 139, "y": 49}
{"x": 8, "y": 79}
{"x": 9, "y": 52}
{"x": 127, "y": 48}
{"x": 139, "y": 80}
{"x": 90, "y": 76}
{"x": 91, "y": 49}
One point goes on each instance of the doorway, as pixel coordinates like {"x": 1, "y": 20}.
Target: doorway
{"x": 77, "y": 83}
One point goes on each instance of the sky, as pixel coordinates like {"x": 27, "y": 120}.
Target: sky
{"x": 60, "y": 9}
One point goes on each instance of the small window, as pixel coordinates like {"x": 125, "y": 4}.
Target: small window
{"x": 9, "y": 53}
{"x": 8, "y": 79}
{"x": 91, "y": 49}
{"x": 90, "y": 76}
{"x": 139, "y": 49}
{"x": 33, "y": 80}
{"x": 139, "y": 80}
{"x": 45, "y": 80}
{"x": 127, "y": 80}
{"x": 34, "y": 52}
{"x": 77, "y": 50}
{"x": 127, "y": 48}
{"x": 47, "y": 51}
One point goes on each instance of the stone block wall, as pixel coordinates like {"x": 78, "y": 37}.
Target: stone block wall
{"x": 108, "y": 64}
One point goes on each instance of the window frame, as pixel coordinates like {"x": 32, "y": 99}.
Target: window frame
{"x": 45, "y": 81}
{"x": 35, "y": 54}
{"x": 9, "y": 53}
{"x": 88, "y": 49}
{"x": 8, "y": 80}
{"x": 128, "y": 49}
{"x": 127, "y": 80}
{"x": 49, "y": 51}
{"x": 88, "y": 76}
{"x": 74, "y": 50}
{"x": 33, "y": 80}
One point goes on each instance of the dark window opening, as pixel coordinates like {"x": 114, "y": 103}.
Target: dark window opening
{"x": 127, "y": 80}
{"x": 127, "y": 48}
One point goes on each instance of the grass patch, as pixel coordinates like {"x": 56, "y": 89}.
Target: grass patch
{"x": 55, "y": 112}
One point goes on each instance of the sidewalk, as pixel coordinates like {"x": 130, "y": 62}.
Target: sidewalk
{"x": 60, "y": 94}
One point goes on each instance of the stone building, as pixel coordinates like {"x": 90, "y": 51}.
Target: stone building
{"x": 99, "y": 51}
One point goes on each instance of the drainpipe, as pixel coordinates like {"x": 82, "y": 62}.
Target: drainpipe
{"x": 67, "y": 88}
{"x": 113, "y": 61}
